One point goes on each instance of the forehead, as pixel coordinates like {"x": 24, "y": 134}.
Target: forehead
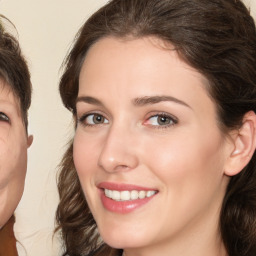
{"x": 134, "y": 63}
{"x": 9, "y": 98}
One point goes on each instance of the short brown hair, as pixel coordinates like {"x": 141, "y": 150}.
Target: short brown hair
{"x": 14, "y": 69}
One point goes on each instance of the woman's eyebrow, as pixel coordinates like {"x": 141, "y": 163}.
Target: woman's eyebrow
{"x": 89, "y": 100}
{"x": 141, "y": 101}
{"x": 147, "y": 100}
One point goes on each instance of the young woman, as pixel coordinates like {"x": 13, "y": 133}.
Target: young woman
{"x": 163, "y": 94}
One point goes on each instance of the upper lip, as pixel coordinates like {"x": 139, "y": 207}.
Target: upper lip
{"x": 122, "y": 186}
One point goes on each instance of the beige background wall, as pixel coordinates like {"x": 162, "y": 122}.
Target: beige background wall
{"x": 46, "y": 29}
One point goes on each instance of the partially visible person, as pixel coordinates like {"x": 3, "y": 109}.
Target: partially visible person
{"x": 15, "y": 99}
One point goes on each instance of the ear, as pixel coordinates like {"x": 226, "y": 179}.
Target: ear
{"x": 30, "y": 140}
{"x": 244, "y": 142}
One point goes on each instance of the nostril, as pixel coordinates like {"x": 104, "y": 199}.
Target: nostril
{"x": 122, "y": 167}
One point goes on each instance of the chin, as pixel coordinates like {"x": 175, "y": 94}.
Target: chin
{"x": 9, "y": 203}
{"x": 119, "y": 239}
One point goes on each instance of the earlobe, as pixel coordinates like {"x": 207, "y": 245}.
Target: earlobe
{"x": 30, "y": 140}
{"x": 244, "y": 145}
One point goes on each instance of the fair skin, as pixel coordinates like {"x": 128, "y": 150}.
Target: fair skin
{"x": 13, "y": 152}
{"x": 146, "y": 122}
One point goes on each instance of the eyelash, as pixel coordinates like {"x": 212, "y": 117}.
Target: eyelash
{"x": 173, "y": 120}
{"x": 84, "y": 117}
{"x": 4, "y": 117}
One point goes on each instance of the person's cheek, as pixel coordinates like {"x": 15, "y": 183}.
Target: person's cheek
{"x": 4, "y": 162}
{"x": 3, "y": 142}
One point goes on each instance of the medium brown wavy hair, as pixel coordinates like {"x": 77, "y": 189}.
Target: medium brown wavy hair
{"x": 14, "y": 69}
{"x": 217, "y": 38}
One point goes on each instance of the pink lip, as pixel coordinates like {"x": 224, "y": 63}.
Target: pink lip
{"x": 121, "y": 186}
{"x": 122, "y": 207}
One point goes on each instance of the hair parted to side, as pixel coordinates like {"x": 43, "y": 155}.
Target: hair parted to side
{"x": 216, "y": 37}
{"x": 14, "y": 70}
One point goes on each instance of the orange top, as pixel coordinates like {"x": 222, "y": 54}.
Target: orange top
{"x": 8, "y": 240}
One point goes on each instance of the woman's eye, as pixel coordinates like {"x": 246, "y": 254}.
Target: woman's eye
{"x": 4, "y": 117}
{"x": 161, "y": 120}
{"x": 93, "y": 119}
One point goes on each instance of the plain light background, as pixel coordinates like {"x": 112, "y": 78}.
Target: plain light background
{"x": 46, "y": 30}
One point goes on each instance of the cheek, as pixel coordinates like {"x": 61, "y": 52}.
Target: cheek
{"x": 8, "y": 160}
{"x": 13, "y": 159}
{"x": 3, "y": 140}
{"x": 185, "y": 159}
{"x": 4, "y": 172}
{"x": 13, "y": 165}
{"x": 189, "y": 172}
{"x": 85, "y": 155}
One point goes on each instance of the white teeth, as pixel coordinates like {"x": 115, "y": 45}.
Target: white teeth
{"x": 134, "y": 195}
{"x": 108, "y": 193}
{"x": 116, "y": 195}
{"x": 125, "y": 195}
{"x": 150, "y": 193}
{"x": 142, "y": 194}
{"x": 128, "y": 195}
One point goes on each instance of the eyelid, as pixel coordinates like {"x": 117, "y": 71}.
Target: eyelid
{"x": 84, "y": 109}
{"x": 83, "y": 114}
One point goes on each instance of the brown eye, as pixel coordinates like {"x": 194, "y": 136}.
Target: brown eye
{"x": 4, "y": 117}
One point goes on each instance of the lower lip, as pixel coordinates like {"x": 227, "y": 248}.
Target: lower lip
{"x": 122, "y": 206}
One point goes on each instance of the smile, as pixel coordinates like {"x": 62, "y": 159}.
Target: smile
{"x": 128, "y": 195}
{"x": 124, "y": 198}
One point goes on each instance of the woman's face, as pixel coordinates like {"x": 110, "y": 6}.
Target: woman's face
{"x": 13, "y": 153}
{"x": 148, "y": 151}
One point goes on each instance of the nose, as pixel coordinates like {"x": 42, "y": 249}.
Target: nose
{"x": 118, "y": 151}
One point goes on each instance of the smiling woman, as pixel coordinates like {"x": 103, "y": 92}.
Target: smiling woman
{"x": 163, "y": 158}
